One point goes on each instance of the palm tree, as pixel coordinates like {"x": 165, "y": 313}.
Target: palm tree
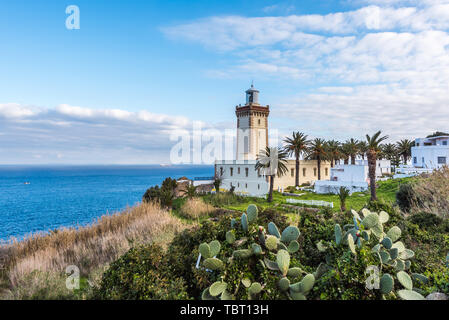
{"x": 343, "y": 194}
{"x": 352, "y": 148}
{"x": 363, "y": 149}
{"x": 296, "y": 145}
{"x": 333, "y": 151}
{"x": 189, "y": 191}
{"x": 272, "y": 162}
{"x": 405, "y": 149}
{"x": 317, "y": 151}
{"x": 344, "y": 152}
{"x": 373, "y": 150}
{"x": 388, "y": 151}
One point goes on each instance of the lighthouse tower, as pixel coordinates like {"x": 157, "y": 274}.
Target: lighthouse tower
{"x": 252, "y": 126}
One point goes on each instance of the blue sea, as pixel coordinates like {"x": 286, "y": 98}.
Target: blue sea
{"x": 58, "y": 196}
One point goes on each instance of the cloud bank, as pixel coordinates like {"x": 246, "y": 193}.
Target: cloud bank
{"x": 76, "y": 135}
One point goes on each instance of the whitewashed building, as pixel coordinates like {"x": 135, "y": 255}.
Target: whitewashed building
{"x": 353, "y": 177}
{"x": 430, "y": 153}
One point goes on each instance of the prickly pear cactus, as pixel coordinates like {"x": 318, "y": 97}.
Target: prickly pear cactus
{"x": 271, "y": 251}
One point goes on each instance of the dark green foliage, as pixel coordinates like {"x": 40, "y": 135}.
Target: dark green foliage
{"x": 426, "y": 220}
{"x": 141, "y": 274}
{"x": 165, "y": 194}
{"x": 405, "y": 197}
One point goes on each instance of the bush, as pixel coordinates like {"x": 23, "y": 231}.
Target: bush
{"x": 426, "y": 220}
{"x": 141, "y": 274}
{"x": 405, "y": 197}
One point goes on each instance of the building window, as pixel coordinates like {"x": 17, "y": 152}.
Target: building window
{"x": 303, "y": 172}
{"x": 258, "y": 186}
{"x": 238, "y": 170}
{"x": 238, "y": 184}
{"x": 293, "y": 172}
{"x": 415, "y": 160}
{"x": 441, "y": 160}
{"x": 221, "y": 171}
{"x": 422, "y": 160}
{"x": 232, "y": 171}
{"x": 444, "y": 143}
{"x": 417, "y": 144}
{"x": 259, "y": 122}
{"x": 246, "y": 171}
{"x": 314, "y": 172}
{"x": 246, "y": 185}
{"x": 327, "y": 171}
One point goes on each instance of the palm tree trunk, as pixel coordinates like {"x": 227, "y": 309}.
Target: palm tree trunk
{"x": 319, "y": 168}
{"x": 332, "y": 162}
{"x": 297, "y": 171}
{"x": 270, "y": 194}
{"x": 372, "y": 173}
{"x": 347, "y": 160}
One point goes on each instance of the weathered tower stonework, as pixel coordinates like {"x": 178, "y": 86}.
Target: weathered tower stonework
{"x": 252, "y": 126}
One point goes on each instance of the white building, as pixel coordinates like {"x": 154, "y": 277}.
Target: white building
{"x": 353, "y": 177}
{"x": 430, "y": 153}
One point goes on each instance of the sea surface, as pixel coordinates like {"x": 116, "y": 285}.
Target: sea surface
{"x": 38, "y": 199}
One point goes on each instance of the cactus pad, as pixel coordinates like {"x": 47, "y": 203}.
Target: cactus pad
{"x": 273, "y": 230}
{"x": 386, "y": 284}
{"x": 252, "y": 212}
{"x": 283, "y": 261}
{"x": 394, "y": 233}
{"x": 289, "y": 234}
{"x": 217, "y": 288}
{"x": 213, "y": 264}
{"x": 338, "y": 234}
{"x": 405, "y": 280}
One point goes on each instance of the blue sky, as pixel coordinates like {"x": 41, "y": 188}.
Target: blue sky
{"x": 333, "y": 69}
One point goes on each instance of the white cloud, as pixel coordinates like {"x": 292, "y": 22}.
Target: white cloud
{"x": 70, "y": 134}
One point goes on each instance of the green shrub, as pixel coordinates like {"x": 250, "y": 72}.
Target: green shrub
{"x": 141, "y": 274}
{"x": 426, "y": 220}
{"x": 405, "y": 197}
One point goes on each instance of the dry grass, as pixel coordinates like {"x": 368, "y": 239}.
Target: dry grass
{"x": 195, "y": 208}
{"x": 431, "y": 193}
{"x": 89, "y": 248}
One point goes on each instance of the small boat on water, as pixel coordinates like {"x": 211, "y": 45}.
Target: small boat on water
{"x": 26, "y": 183}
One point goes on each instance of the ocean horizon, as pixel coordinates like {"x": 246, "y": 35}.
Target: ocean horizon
{"x": 40, "y": 198}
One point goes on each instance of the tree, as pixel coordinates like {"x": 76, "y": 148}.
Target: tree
{"x": 343, "y": 194}
{"x": 317, "y": 151}
{"x": 333, "y": 151}
{"x": 296, "y": 145}
{"x": 404, "y": 148}
{"x": 390, "y": 152}
{"x": 438, "y": 134}
{"x": 345, "y": 153}
{"x": 272, "y": 162}
{"x": 373, "y": 150}
{"x": 217, "y": 183}
{"x": 189, "y": 191}
{"x": 351, "y": 148}
{"x": 363, "y": 149}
